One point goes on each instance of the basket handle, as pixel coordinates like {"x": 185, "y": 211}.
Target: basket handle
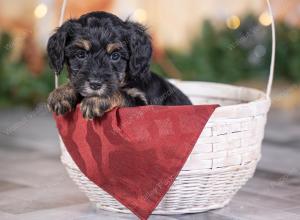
{"x": 61, "y": 20}
{"x": 272, "y": 65}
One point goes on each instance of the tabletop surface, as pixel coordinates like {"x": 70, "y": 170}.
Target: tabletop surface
{"x": 35, "y": 185}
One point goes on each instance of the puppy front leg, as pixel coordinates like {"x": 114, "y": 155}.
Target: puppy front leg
{"x": 63, "y": 99}
{"x": 96, "y": 106}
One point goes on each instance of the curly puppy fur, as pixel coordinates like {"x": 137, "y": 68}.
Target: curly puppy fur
{"x": 108, "y": 63}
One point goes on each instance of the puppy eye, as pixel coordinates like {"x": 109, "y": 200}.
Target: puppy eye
{"x": 115, "y": 56}
{"x": 81, "y": 54}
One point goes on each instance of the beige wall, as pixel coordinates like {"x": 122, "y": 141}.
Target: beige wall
{"x": 175, "y": 22}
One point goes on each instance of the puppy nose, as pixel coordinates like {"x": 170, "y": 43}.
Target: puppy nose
{"x": 95, "y": 85}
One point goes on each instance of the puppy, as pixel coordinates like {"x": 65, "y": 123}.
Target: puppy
{"x": 108, "y": 63}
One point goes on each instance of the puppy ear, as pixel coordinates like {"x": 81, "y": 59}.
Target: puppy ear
{"x": 55, "y": 50}
{"x": 56, "y": 46}
{"x": 139, "y": 43}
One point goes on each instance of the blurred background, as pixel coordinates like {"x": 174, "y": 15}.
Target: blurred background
{"x": 225, "y": 42}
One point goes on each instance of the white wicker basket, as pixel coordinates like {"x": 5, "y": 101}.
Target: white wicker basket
{"x": 224, "y": 158}
{"x": 225, "y": 155}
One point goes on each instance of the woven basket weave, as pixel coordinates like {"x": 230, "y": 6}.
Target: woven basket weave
{"x": 224, "y": 157}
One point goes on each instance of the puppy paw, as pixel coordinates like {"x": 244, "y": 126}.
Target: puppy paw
{"x": 92, "y": 107}
{"x": 62, "y": 100}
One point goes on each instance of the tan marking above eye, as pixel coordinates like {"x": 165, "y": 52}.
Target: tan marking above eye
{"x": 84, "y": 44}
{"x": 112, "y": 47}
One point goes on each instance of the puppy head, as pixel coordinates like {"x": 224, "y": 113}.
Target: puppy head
{"x": 102, "y": 53}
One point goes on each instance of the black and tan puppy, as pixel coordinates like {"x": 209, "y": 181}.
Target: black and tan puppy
{"x": 108, "y": 64}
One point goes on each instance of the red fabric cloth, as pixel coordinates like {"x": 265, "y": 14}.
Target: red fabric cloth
{"x": 134, "y": 154}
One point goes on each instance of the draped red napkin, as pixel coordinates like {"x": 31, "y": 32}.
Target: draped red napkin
{"x": 134, "y": 154}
